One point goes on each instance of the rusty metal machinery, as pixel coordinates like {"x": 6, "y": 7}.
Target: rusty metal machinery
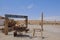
{"x": 12, "y": 23}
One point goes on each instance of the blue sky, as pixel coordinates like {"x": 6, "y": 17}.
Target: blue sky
{"x": 31, "y": 8}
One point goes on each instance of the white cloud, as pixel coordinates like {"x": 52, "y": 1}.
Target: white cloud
{"x": 30, "y": 6}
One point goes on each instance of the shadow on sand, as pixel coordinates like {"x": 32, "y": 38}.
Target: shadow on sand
{"x": 19, "y": 35}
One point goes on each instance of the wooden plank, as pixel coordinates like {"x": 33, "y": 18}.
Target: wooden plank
{"x": 6, "y": 27}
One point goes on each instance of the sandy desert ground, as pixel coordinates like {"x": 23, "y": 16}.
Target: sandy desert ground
{"x": 51, "y": 32}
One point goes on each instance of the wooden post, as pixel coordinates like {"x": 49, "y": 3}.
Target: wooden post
{"x": 26, "y": 22}
{"x": 6, "y": 26}
{"x": 42, "y": 26}
{"x": 42, "y": 21}
{"x": 33, "y": 32}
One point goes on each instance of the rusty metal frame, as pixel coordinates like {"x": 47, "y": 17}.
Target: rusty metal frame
{"x": 13, "y": 16}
